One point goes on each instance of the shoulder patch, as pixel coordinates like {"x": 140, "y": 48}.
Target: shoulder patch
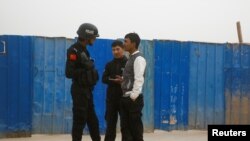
{"x": 72, "y": 57}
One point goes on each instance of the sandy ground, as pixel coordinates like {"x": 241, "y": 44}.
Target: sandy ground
{"x": 158, "y": 135}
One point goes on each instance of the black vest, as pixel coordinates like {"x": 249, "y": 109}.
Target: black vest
{"x": 128, "y": 74}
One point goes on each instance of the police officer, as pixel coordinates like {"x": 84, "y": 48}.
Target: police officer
{"x": 80, "y": 68}
{"x": 113, "y": 71}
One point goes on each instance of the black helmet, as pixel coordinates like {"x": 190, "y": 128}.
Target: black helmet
{"x": 87, "y": 31}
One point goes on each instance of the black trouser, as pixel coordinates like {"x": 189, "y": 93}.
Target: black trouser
{"x": 84, "y": 112}
{"x": 131, "y": 122}
{"x": 111, "y": 117}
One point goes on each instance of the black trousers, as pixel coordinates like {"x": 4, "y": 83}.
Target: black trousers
{"x": 84, "y": 112}
{"x": 131, "y": 122}
{"x": 111, "y": 117}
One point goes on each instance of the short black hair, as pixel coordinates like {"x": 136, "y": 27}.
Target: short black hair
{"x": 117, "y": 43}
{"x": 134, "y": 38}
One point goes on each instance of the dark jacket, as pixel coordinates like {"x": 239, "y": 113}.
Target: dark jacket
{"x": 80, "y": 67}
{"x": 113, "y": 68}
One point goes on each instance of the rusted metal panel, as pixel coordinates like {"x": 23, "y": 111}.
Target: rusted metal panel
{"x": 237, "y": 84}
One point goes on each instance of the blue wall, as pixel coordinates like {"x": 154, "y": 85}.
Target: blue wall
{"x": 197, "y": 84}
{"x": 51, "y": 95}
{"x": 188, "y": 85}
{"x": 237, "y": 84}
{"x": 52, "y": 102}
{"x": 206, "y": 85}
{"x": 146, "y": 47}
{"x": 101, "y": 53}
{"x": 171, "y": 85}
{"x": 15, "y": 86}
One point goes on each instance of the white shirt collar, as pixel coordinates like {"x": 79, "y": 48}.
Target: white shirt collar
{"x": 135, "y": 52}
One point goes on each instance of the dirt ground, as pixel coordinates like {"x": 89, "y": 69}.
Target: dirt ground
{"x": 158, "y": 135}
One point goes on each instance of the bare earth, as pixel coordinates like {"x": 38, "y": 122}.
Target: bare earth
{"x": 158, "y": 135}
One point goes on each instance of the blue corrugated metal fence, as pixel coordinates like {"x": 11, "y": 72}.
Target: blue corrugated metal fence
{"x": 188, "y": 85}
{"x": 171, "y": 84}
{"x": 206, "y": 84}
{"x": 146, "y": 47}
{"x": 217, "y": 90}
{"x": 237, "y": 84}
{"x": 52, "y": 99}
{"x": 15, "y": 86}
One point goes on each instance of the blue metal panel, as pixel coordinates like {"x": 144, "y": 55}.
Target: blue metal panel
{"x": 13, "y": 80}
{"x": 174, "y": 86}
{"x": 165, "y": 88}
{"x": 52, "y": 105}
{"x": 16, "y": 86}
{"x": 25, "y": 85}
{"x": 245, "y": 56}
{"x": 194, "y": 55}
{"x": 157, "y": 82}
{"x": 210, "y": 84}
{"x": 206, "y": 97}
{"x": 38, "y": 83}
{"x": 101, "y": 53}
{"x": 52, "y": 99}
{"x": 201, "y": 87}
{"x": 59, "y": 88}
{"x": 4, "y": 87}
{"x": 245, "y": 97}
{"x": 171, "y": 82}
{"x": 237, "y": 84}
{"x": 67, "y": 97}
{"x": 49, "y": 85}
{"x": 184, "y": 87}
{"x": 228, "y": 53}
{"x": 219, "y": 101}
{"x": 245, "y": 85}
{"x": 146, "y": 47}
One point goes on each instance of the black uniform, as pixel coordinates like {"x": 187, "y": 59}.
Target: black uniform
{"x": 114, "y": 93}
{"x": 81, "y": 70}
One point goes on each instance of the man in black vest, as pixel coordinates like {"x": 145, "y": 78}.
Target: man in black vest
{"x": 113, "y": 70}
{"x": 132, "y": 99}
{"x": 80, "y": 68}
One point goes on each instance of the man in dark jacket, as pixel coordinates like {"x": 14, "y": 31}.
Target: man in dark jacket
{"x": 111, "y": 77}
{"x": 80, "y": 68}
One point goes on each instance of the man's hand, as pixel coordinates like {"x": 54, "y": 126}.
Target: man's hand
{"x": 118, "y": 79}
{"x": 133, "y": 96}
